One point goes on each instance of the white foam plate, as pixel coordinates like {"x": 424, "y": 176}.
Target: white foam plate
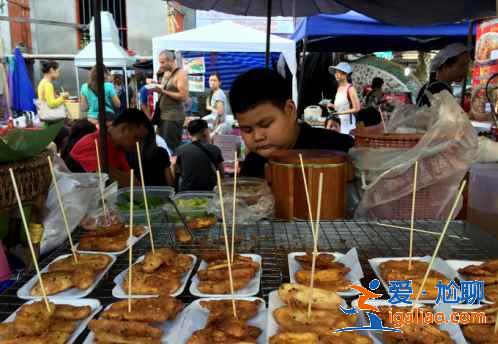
{"x": 275, "y": 302}
{"x": 73, "y": 293}
{"x": 118, "y": 291}
{"x": 439, "y": 265}
{"x": 94, "y": 304}
{"x": 131, "y": 241}
{"x": 194, "y": 318}
{"x": 460, "y": 264}
{"x": 166, "y": 326}
{"x": 250, "y": 290}
{"x": 350, "y": 260}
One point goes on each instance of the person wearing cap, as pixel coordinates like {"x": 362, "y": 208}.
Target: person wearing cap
{"x": 448, "y": 66}
{"x": 346, "y": 103}
{"x": 261, "y": 101}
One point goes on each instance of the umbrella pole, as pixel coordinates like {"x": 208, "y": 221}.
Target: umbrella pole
{"x": 301, "y": 78}
{"x": 268, "y": 32}
{"x": 100, "y": 85}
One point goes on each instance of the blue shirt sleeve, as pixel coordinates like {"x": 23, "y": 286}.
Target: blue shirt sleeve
{"x": 144, "y": 95}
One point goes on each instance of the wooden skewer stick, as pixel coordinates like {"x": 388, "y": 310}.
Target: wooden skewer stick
{"x": 382, "y": 119}
{"x": 130, "y": 249}
{"x": 236, "y": 167}
{"x": 315, "y": 242}
{"x": 440, "y": 241}
{"x": 496, "y": 323}
{"x": 146, "y": 202}
{"x": 308, "y": 201}
{"x": 101, "y": 182}
{"x": 63, "y": 212}
{"x": 222, "y": 206}
{"x": 420, "y": 231}
{"x": 412, "y": 220}
{"x": 30, "y": 244}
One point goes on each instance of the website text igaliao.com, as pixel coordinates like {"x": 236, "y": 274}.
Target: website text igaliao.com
{"x": 419, "y": 316}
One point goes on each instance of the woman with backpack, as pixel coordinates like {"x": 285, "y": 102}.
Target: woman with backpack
{"x": 89, "y": 100}
{"x": 346, "y": 103}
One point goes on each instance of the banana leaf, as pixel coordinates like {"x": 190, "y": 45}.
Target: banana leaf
{"x": 18, "y": 144}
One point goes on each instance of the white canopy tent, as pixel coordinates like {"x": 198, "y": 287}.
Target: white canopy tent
{"x": 114, "y": 55}
{"x": 227, "y": 36}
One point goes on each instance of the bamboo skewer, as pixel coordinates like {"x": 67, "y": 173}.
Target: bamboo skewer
{"x": 236, "y": 167}
{"x": 308, "y": 200}
{"x": 496, "y": 323}
{"x": 101, "y": 183}
{"x": 63, "y": 212}
{"x": 420, "y": 231}
{"x": 30, "y": 244}
{"x": 440, "y": 241}
{"x": 222, "y": 206}
{"x": 130, "y": 249}
{"x": 382, "y": 119}
{"x": 146, "y": 202}
{"x": 412, "y": 220}
{"x": 315, "y": 242}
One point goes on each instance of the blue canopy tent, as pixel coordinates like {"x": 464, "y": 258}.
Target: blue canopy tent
{"x": 354, "y": 32}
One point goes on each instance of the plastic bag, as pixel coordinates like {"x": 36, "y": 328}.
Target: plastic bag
{"x": 488, "y": 150}
{"x": 448, "y": 147}
{"x": 78, "y": 192}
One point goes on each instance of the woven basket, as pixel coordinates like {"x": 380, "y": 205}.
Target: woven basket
{"x": 33, "y": 180}
{"x": 429, "y": 199}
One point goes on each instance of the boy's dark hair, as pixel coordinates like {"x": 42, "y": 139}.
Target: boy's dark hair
{"x": 46, "y": 66}
{"x": 133, "y": 118}
{"x": 196, "y": 126}
{"x": 332, "y": 119}
{"x": 258, "y": 86}
{"x": 377, "y": 83}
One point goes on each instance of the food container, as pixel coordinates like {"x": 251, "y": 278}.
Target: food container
{"x": 192, "y": 205}
{"x": 157, "y": 196}
{"x": 483, "y": 196}
{"x": 255, "y": 200}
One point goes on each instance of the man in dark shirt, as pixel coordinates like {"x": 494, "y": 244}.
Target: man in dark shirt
{"x": 198, "y": 161}
{"x": 267, "y": 117}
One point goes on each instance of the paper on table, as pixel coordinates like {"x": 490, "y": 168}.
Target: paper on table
{"x": 453, "y": 329}
{"x": 439, "y": 265}
{"x": 250, "y": 290}
{"x": 166, "y": 326}
{"x": 195, "y": 317}
{"x": 119, "y": 293}
{"x": 73, "y": 293}
{"x": 94, "y": 305}
{"x": 350, "y": 260}
{"x": 131, "y": 241}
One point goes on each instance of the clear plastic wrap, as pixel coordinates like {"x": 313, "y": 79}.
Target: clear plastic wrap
{"x": 78, "y": 192}
{"x": 446, "y": 150}
{"x": 255, "y": 200}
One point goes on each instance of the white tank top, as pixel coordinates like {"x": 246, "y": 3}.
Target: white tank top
{"x": 341, "y": 102}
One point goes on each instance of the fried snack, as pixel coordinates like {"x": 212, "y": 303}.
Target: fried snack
{"x": 125, "y": 328}
{"x": 96, "y": 262}
{"x": 54, "y": 282}
{"x": 157, "y": 309}
{"x": 138, "y": 230}
{"x": 162, "y": 256}
{"x": 221, "y": 287}
{"x": 203, "y": 222}
{"x": 59, "y": 325}
{"x": 321, "y": 322}
{"x": 223, "y": 275}
{"x": 323, "y": 261}
{"x": 105, "y": 244}
{"x": 7, "y": 331}
{"x": 210, "y": 335}
{"x": 45, "y": 338}
{"x": 213, "y": 255}
{"x": 182, "y": 235}
{"x": 83, "y": 278}
{"x": 295, "y": 338}
{"x": 238, "y": 261}
{"x": 222, "y": 309}
{"x": 329, "y": 279}
{"x": 150, "y": 283}
{"x": 480, "y": 334}
{"x": 491, "y": 292}
{"x": 33, "y": 319}
{"x": 68, "y": 312}
{"x": 345, "y": 338}
{"x": 298, "y": 295}
{"x": 486, "y": 272}
{"x": 107, "y": 231}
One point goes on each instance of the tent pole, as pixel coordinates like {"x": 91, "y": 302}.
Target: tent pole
{"x": 99, "y": 59}
{"x": 126, "y": 86}
{"x": 268, "y": 31}
{"x": 301, "y": 77}
{"x": 77, "y": 81}
{"x": 469, "y": 48}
